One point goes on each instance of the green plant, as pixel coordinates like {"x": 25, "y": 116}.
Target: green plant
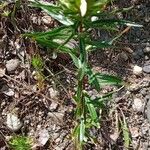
{"x": 20, "y": 143}
{"x": 38, "y": 64}
{"x": 77, "y": 17}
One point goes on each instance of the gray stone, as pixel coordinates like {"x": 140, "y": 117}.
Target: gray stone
{"x": 138, "y": 105}
{"x": 43, "y": 137}
{"x": 148, "y": 111}
{"x": 146, "y": 49}
{"x": 146, "y": 68}
{"x": 13, "y": 122}
{"x": 11, "y": 65}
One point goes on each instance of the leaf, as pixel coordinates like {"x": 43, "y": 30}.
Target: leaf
{"x": 55, "y": 39}
{"x": 92, "y": 79}
{"x": 92, "y": 112}
{"x": 61, "y": 31}
{"x": 110, "y": 23}
{"x": 105, "y": 79}
{"x": 76, "y": 131}
{"x": 83, "y": 53}
{"x": 101, "y": 101}
{"x": 99, "y": 44}
{"x": 125, "y": 131}
{"x": 82, "y": 131}
{"x": 54, "y": 11}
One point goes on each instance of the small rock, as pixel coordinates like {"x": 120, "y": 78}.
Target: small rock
{"x": 114, "y": 136}
{"x": 146, "y": 49}
{"x": 146, "y": 57}
{"x": 53, "y": 106}
{"x": 138, "y": 105}
{"x": 146, "y": 68}
{"x": 143, "y": 91}
{"x": 43, "y": 137}
{"x": 53, "y": 93}
{"x": 134, "y": 88}
{"x": 11, "y": 65}
{"x": 123, "y": 56}
{"x": 144, "y": 130}
{"x": 13, "y": 122}
{"x": 9, "y": 92}
{"x": 137, "y": 70}
{"x": 134, "y": 132}
{"x": 47, "y": 20}
{"x": 148, "y": 111}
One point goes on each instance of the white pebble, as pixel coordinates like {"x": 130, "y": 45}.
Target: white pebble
{"x": 43, "y": 137}
{"x": 13, "y": 122}
{"x": 137, "y": 70}
{"x": 11, "y": 65}
{"x": 138, "y": 105}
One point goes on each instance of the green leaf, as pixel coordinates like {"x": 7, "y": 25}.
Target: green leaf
{"x": 82, "y": 130}
{"x": 76, "y": 60}
{"x": 105, "y": 79}
{"x": 60, "y": 32}
{"x": 99, "y": 44}
{"x": 54, "y": 11}
{"x": 55, "y": 39}
{"x": 92, "y": 79}
{"x": 81, "y": 71}
{"x": 76, "y": 131}
{"x": 92, "y": 111}
{"x": 83, "y": 53}
{"x": 125, "y": 131}
{"x": 110, "y": 23}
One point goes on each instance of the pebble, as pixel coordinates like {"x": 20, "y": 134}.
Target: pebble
{"x": 138, "y": 105}
{"x": 123, "y": 56}
{"x": 143, "y": 91}
{"x": 47, "y": 20}
{"x": 114, "y": 136}
{"x": 148, "y": 111}
{"x": 13, "y": 122}
{"x": 43, "y": 137}
{"x": 134, "y": 88}
{"x": 137, "y": 70}
{"x": 134, "y": 132}
{"x": 11, "y": 65}
{"x": 9, "y": 92}
{"x": 53, "y": 93}
{"x": 53, "y": 106}
{"x": 146, "y": 69}
{"x": 146, "y": 49}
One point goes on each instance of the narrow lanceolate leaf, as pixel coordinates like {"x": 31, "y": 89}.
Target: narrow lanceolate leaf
{"x": 56, "y": 39}
{"x": 54, "y": 11}
{"x": 125, "y": 131}
{"x": 92, "y": 111}
{"x": 83, "y": 53}
{"x": 110, "y": 23}
{"x": 99, "y": 44}
{"x": 105, "y": 79}
{"x": 82, "y": 131}
{"x": 76, "y": 131}
{"x": 92, "y": 79}
{"x": 97, "y": 79}
{"x": 60, "y": 32}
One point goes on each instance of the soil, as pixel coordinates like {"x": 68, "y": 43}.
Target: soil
{"x": 47, "y": 108}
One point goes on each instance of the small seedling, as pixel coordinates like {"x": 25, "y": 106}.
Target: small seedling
{"x": 20, "y": 143}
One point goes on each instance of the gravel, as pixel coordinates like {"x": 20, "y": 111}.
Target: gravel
{"x": 146, "y": 69}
